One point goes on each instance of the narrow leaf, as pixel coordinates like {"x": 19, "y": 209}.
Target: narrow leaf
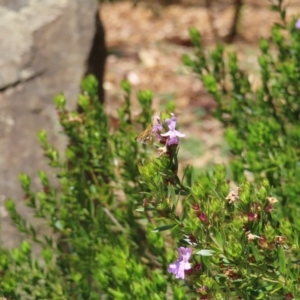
{"x": 165, "y": 227}
{"x": 206, "y": 252}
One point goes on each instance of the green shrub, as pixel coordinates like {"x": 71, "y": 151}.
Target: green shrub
{"x": 116, "y": 196}
{"x": 101, "y": 248}
{"x": 262, "y": 124}
{"x": 233, "y": 243}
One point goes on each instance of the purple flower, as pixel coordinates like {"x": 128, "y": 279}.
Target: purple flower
{"x": 157, "y": 127}
{"x": 181, "y": 264}
{"x": 172, "y": 133}
{"x": 298, "y": 24}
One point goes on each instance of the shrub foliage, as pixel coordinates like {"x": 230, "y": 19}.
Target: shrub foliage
{"x": 121, "y": 207}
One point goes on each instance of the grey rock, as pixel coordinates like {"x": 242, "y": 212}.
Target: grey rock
{"x": 44, "y": 46}
{"x": 14, "y": 4}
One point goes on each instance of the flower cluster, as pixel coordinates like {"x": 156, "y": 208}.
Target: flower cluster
{"x": 170, "y": 137}
{"x": 181, "y": 264}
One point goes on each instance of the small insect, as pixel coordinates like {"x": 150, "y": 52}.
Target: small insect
{"x": 146, "y": 136}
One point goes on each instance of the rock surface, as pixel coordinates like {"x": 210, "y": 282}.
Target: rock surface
{"x": 44, "y": 45}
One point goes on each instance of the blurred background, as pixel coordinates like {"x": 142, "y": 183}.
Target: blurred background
{"x": 146, "y": 40}
{"x": 47, "y": 46}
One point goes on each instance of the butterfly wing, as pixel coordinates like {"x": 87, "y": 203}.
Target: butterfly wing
{"x": 146, "y": 136}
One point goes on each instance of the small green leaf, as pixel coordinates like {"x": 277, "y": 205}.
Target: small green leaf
{"x": 195, "y": 37}
{"x": 126, "y": 86}
{"x": 83, "y": 101}
{"x": 206, "y": 252}
{"x": 76, "y": 276}
{"x": 282, "y": 260}
{"x": 25, "y": 247}
{"x": 164, "y": 228}
{"x": 142, "y": 209}
{"x": 60, "y": 101}
{"x": 187, "y": 60}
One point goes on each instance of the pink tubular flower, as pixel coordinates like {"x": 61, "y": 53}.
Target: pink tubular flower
{"x": 252, "y": 217}
{"x": 197, "y": 267}
{"x": 202, "y": 216}
{"x": 297, "y": 25}
{"x": 172, "y": 133}
{"x": 181, "y": 264}
{"x": 156, "y": 130}
{"x": 158, "y": 125}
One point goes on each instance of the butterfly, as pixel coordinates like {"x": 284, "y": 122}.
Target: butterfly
{"x": 146, "y": 136}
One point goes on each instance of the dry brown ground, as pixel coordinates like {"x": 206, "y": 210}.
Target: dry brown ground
{"x": 146, "y": 43}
